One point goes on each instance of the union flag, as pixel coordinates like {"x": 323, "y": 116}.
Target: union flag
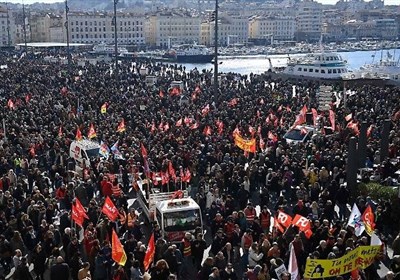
{"x": 117, "y": 250}
{"x": 78, "y": 219}
{"x": 92, "y": 132}
{"x": 121, "y": 126}
{"x": 78, "y": 135}
{"x": 110, "y": 210}
{"x": 149, "y": 256}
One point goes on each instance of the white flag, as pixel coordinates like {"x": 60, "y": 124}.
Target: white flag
{"x": 293, "y": 269}
{"x": 355, "y": 221}
{"x": 375, "y": 240}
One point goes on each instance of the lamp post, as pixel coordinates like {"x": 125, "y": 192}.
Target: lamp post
{"x": 67, "y": 30}
{"x": 116, "y": 40}
{"x": 216, "y": 50}
{"x": 24, "y": 27}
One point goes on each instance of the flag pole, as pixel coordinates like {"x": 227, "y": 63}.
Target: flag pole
{"x": 4, "y": 129}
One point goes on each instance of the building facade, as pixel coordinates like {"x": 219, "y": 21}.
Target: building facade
{"x": 308, "y": 21}
{"x": 231, "y": 30}
{"x": 276, "y": 28}
{"x": 167, "y": 28}
{"x": 96, "y": 28}
{"x": 7, "y": 28}
{"x": 46, "y": 28}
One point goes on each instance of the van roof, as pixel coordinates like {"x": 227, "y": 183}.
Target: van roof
{"x": 172, "y": 205}
{"x": 87, "y": 144}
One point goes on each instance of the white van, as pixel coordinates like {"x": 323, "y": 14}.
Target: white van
{"x": 82, "y": 151}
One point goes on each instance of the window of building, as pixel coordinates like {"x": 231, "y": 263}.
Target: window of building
{"x": 334, "y": 71}
{"x": 329, "y": 71}
{"x": 322, "y": 71}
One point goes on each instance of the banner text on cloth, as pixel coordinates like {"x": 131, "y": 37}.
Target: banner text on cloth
{"x": 245, "y": 145}
{"x": 361, "y": 257}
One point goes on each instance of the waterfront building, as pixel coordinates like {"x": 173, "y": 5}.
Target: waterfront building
{"x": 274, "y": 27}
{"x": 232, "y": 29}
{"x": 308, "y": 21}
{"x": 96, "y": 28}
{"x": 166, "y": 28}
{"x": 46, "y": 27}
{"x": 7, "y": 27}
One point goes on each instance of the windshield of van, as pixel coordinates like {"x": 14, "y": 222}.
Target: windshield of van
{"x": 93, "y": 152}
{"x": 294, "y": 134}
{"x": 182, "y": 220}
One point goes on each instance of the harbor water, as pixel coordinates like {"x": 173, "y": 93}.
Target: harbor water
{"x": 258, "y": 64}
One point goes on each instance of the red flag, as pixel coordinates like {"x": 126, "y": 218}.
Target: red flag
{"x": 110, "y": 210}
{"x": 161, "y": 126}
{"x": 205, "y": 110}
{"x": 197, "y": 90}
{"x": 78, "y": 219}
{"x": 236, "y": 132}
{"x": 32, "y": 151}
{"x": 332, "y": 119}
{"x": 175, "y": 91}
{"x": 233, "y": 102}
{"x": 194, "y": 126}
{"x": 92, "y": 132}
{"x": 284, "y": 219}
{"x": 278, "y": 226}
{"x": 121, "y": 126}
{"x": 177, "y": 194}
{"x": 166, "y": 126}
{"x": 154, "y": 178}
{"x": 10, "y": 104}
{"x": 60, "y": 134}
{"x": 81, "y": 210}
{"x": 303, "y": 224}
{"x": 153, "y": 127}
{"x": 187, "y": 176}
{"x": 272, "y": 137}
{"x": 187, "y": 120}
{"x": 164, "y": 178}
{"x": 179, "y": 123}
{"x": 161, "y": 94}
{"x": 300, "y": 119}
{"x": 288, "y": 109}
{"x": 149, "y": 256}
{"x": 304, "y": 110}
{"x": 369, "y": 220}
{"x": 262, "y": 101}
{"x": 207, "y": 131}
{"x": 117, "y": 250}
{"x": 78, "y": 135}
{"x": 354, "y": 127}
{"x": 220, "y": 126}
{"x": 28, "y": 98}
{"x": 280, "y": 108}
{"x": 171, "y": 171}
{"x": 143, "y": 150}
{"x": 64, "y": 91}
{"x": 348, "y": 117}
{"x": 315, "y": 116}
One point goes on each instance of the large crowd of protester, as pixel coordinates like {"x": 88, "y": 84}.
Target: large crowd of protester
{"x": 45, "y": 104}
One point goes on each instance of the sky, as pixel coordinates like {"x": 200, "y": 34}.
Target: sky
{"x": 387, "y": 2}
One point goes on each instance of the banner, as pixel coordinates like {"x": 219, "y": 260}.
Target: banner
{"x": 245, "y": 145}
{"x": 149, "y": 256}
{"x": 110, "y": 210}
{"x": 359, "y": 258}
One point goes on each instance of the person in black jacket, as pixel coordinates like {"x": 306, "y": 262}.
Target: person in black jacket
{"x": 39, "y": 261}
{"x": 198, "y": 247}
{"x": 22, "y": 271}
{"x": 59, "y": 271}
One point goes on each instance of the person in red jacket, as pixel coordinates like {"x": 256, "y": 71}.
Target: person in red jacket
{"x": 106, "y": 187}
{"x": 265, "y": 219}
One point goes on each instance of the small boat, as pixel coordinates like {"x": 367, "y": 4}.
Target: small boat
{"x": 103, "y": 48}
{"x": 191, "y": 53}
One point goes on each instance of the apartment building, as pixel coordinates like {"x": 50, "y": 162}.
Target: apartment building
{"x": 272, "y": 27}
{"x": 232, "y": 29}
{"x": 166, "y": 28}
{"x": 308, "y": 21}
{"x": 95, "y": 28}
{"x": 46, "y": 27}
{"x": 7, "y": 28}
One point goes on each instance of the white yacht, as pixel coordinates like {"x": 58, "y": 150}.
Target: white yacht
{"x": 315, "y": 66}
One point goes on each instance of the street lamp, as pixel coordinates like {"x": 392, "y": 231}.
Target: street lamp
{"x": 115, "y": 40}
{"x": 216, "y": 50}
{"x": 24, "y": 27}
{"x": 67, "y": 28}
